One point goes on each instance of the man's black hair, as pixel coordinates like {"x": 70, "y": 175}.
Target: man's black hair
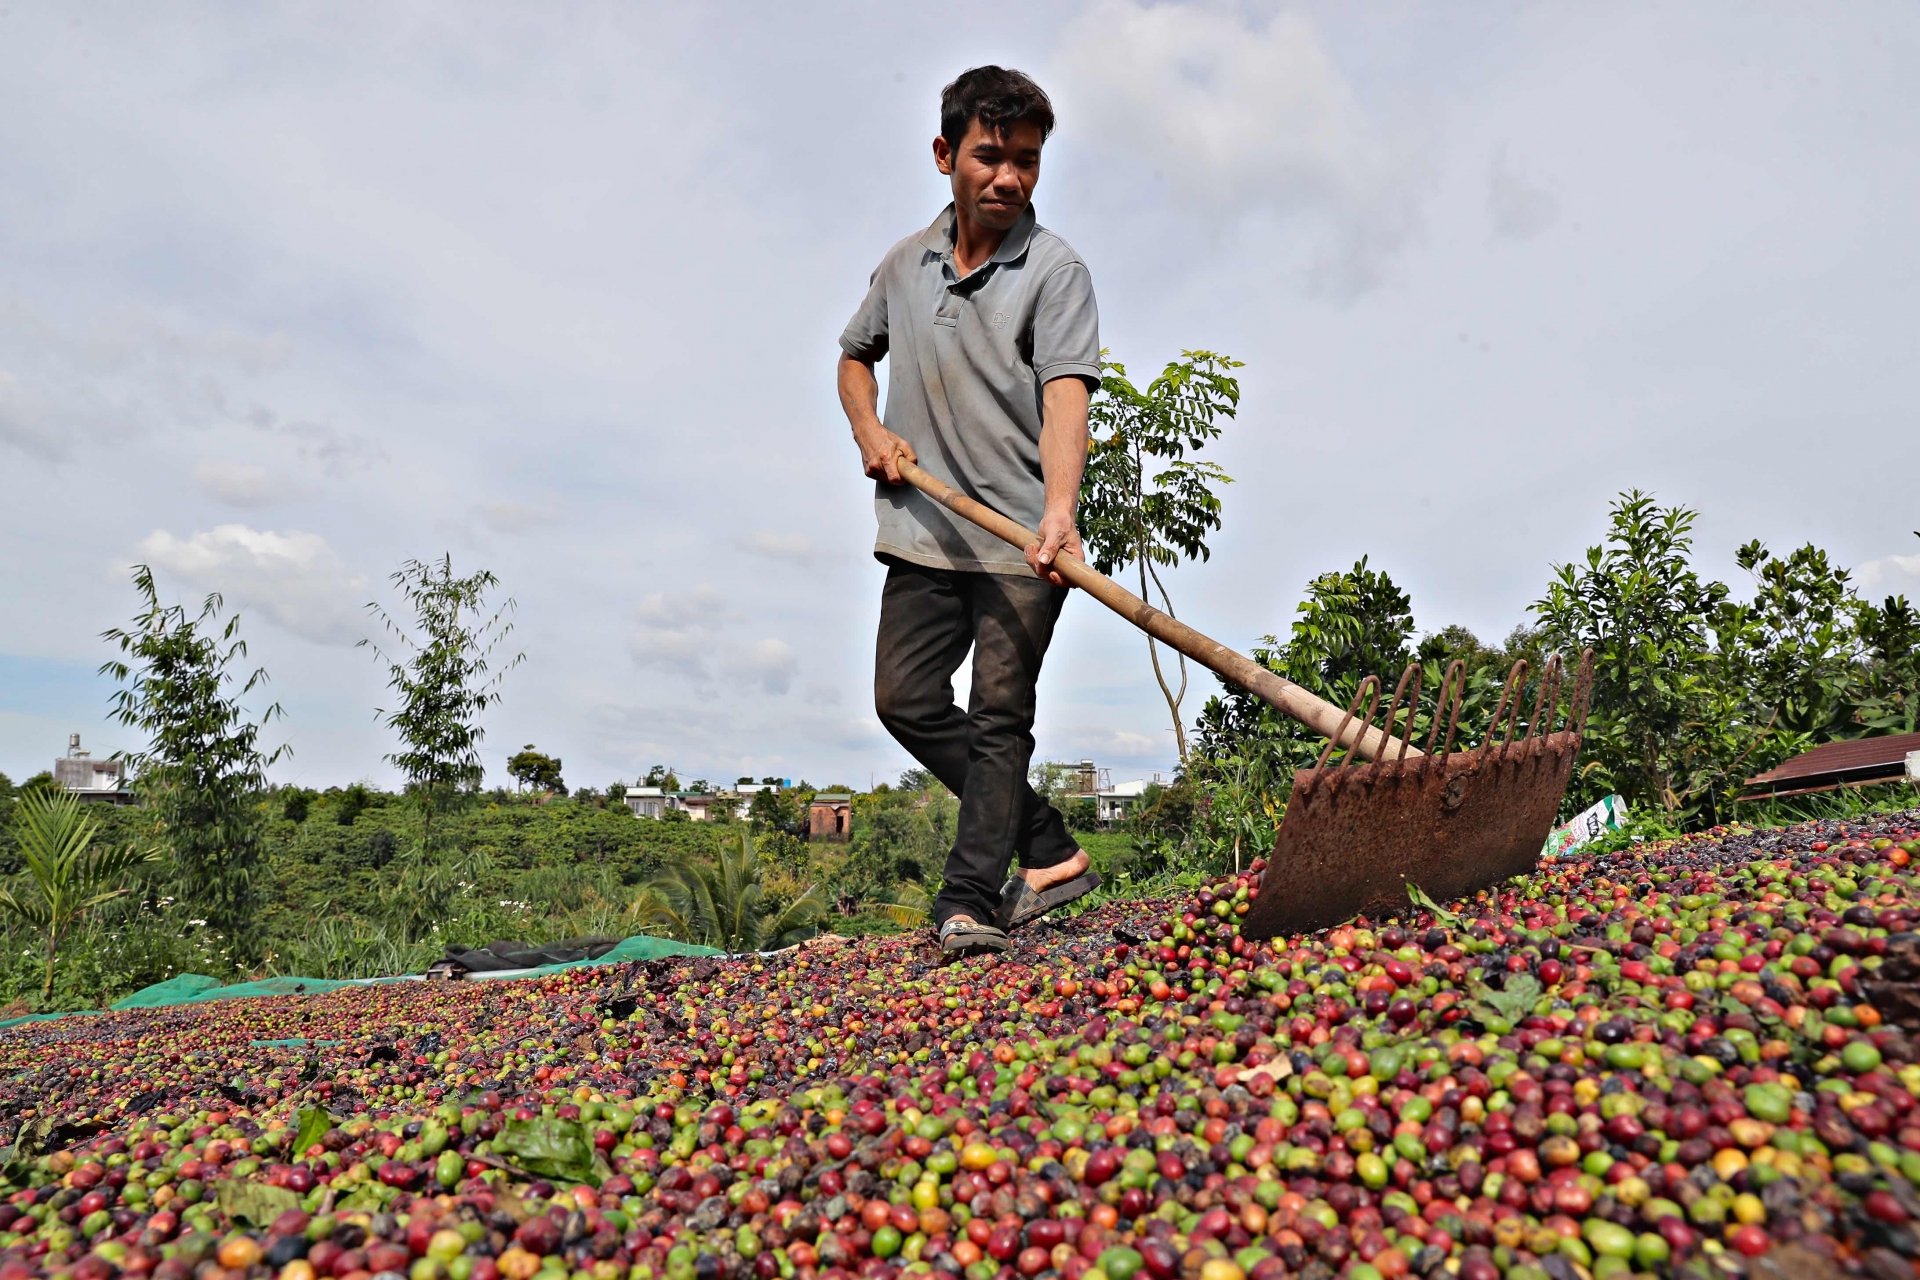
{"x": 997, "y": 98}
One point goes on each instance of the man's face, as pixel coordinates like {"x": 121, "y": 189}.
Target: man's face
{"x": 993, "y": 174}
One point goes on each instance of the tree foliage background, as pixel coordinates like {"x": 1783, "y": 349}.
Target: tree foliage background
{"x": 1145, "y": 503}
{"x": 1697, "y": 687}
{"x": 202, "y": 766}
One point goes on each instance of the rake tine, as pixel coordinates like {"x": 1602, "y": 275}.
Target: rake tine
{"x": 1413, "y": 673}
{"x": 1500, "y": 708}
{"x": 1370, "y": 689}
{"x": 1582, "y": 693}
{"x": 1508, "y": 711}
{"x": 1353, "y": 709}
{"x": 1546, "y": 701}
{"x": 1452, "y": 686}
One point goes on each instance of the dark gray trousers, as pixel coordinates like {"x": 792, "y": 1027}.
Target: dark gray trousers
{"x": 929, "y": 619}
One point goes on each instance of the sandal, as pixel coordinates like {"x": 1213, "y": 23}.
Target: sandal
{"x": 966, "y": 938}
{"x": 1021, "y": 903}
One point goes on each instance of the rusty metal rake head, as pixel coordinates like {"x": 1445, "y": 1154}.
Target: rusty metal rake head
{"x": 1452, "y": 822}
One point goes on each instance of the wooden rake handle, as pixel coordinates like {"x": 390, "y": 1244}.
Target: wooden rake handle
{"x": 1319, "y": 715}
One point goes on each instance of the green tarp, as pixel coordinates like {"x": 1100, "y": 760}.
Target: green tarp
{"x": 191, "y": 988}
{"x": 638, "y": 947}
{"x": 195, "y": 988}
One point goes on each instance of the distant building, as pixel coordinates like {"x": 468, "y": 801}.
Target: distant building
{"x": 1113, "y": 803}
{"x": 1117, "y": 803}
{"x": 699, "y": 806}
{"x": 646, "y": 802}
{"x": 89, "y": 779}
{"x": 830, "y": 816}
{"x": 703, "y": 806}
{"x": 744, "y": 792}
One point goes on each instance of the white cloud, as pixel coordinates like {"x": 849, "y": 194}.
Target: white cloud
{"x": 115, "y": 373}
{"x": 680, "y": 631}
{"x": 796, "y": 548}
{"x": 24, "y": 425}
{"x": 295, "y": 579}
{"x": 775, "y": 663}
{"x": 516, "y": 517}
{"x": 239, "y": 484}
{"x": 130, "y": 336}
{"x": 1242, "y": 117}
{"x": 1520, "y": 207}
{"x": 1888, "y": 576}
{"x": 338, "y": 452}
{"x": 1127, "y": 744}
{"x": 701, "y": 607}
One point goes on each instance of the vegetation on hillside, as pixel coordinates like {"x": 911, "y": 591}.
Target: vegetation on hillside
{"x": 1698, "y": 686}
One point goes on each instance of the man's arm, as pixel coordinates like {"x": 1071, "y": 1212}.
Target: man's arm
{"x": 860, "y": 397}
{"x": 1063, "y": 459}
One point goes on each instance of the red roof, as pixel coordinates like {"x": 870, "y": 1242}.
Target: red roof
{"x": 1839, "y": 763}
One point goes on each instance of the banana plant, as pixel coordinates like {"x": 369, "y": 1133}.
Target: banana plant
{"x": 66, "y": 877}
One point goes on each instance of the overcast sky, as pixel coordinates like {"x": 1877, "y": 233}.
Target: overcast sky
{"x": 291, "y": 293}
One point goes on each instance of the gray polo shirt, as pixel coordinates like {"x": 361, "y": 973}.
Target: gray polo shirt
{"x": 969, "y": 359}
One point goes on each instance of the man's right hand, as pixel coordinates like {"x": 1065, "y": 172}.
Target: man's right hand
{"x": 880, "y": 450}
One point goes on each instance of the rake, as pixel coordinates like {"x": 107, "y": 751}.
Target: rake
{"x": 1358, "y": 830}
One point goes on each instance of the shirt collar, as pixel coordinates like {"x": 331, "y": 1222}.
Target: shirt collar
{"x": 938, "y": 238}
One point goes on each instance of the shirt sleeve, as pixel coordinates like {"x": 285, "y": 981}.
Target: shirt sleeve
{"x": 1066, "y": 326}
{"x": 865, "y": 337}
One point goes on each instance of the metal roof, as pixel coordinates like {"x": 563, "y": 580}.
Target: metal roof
{"x": 1837, "y": 764}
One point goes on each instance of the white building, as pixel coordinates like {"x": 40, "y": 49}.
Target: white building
{"x": 88, "y": 779}
{"x": 699, "y": 806}
{"x": 646, "y": 802}
{"x": 1116, "y": 804}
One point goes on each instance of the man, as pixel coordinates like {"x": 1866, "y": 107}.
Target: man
{"x": 990, "y": 320}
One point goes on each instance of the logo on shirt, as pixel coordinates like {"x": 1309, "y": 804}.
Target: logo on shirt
{"x": 1000, "y": 319}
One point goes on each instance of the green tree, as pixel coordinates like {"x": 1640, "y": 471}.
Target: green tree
{"x": 774, "y": 811}
{"x": 67, "y": 876}
{"x": 533, "y": 768}
{"x": 723, "y": 902}
{"x": 202, "y": 769}
{"x": 899, "y": 837}
{"x": 353, "y": 801}
{"x": 1143, "y": 501}
{"x": 1795, "y": 648}
{"x": 445, "y": 677}
{"x": 1889, "y": 689}
{"x": 662, "y": 776}
{"x": 1352, "y": 624}
{"x": 1668, "y": 730}
{"x": 783, "y": 851}
{"x": 296, "y": 803}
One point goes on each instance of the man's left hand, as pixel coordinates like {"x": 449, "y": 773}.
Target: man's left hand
{"x": 1057, "y": 534}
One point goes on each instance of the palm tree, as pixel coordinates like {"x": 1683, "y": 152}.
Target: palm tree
{"x": 723, "y": 903}
{"x": 65, "y": 873}
{"x": 910, "y": 908}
